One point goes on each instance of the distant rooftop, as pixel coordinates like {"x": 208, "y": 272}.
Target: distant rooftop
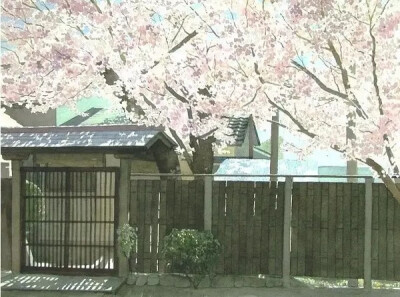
{"x": 102, "y": 116}
{"x": 239, "y": 126}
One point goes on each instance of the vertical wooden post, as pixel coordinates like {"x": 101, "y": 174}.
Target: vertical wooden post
{"x": 368, "y": 234}
{"x": 124, "y": 192}
{"x": 16, "y": 217}
{"x": 287, "y": 217}
{"x": 207, "y": 203}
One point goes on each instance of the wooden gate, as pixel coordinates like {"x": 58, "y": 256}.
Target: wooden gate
{"x": 69, "y": 219}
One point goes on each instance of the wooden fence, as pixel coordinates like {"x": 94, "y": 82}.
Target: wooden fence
{"x": 247, "y": 219}
{"x": 385, "y": 235}
{"x": 327, "y": 230}
{"x": 156, "y": 207}
{"x": 327, "y": 226}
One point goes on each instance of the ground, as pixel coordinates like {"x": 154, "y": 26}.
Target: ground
{"x": 158, "y": 291}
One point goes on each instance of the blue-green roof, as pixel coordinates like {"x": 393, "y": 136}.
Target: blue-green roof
{"x": 235, "y": 166}
{"x": 66, "y": 113}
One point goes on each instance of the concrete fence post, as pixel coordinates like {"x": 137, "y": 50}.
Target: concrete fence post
{"x": 368, "y": 234}
{"x": 287, "y": 217}
{"x": 208, "y": 202}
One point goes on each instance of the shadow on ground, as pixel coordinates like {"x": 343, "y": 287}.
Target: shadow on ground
{"x": 158, "y": 291}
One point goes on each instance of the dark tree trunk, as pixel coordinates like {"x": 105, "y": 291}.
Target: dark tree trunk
{"x": 203, "y": 154}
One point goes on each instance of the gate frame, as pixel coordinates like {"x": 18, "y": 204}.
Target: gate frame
{"x": 66, "y": 270}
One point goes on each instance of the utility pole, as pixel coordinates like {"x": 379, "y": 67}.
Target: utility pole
{"x": 273, "y": 167}
{"x": 351, "y": 166}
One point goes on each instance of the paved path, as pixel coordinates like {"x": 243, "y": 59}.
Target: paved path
{"x": 133, "y": 291}
{"x": 44, "y": 282}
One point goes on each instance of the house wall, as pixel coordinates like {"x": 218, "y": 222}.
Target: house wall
{"x": 28, "y": 119}
{"x": 70, "y": 160}
{"x": 243, "y": 150}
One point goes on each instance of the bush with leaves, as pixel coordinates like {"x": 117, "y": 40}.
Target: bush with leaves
{"x": 35, "y": 208}
{"x": 191, "y": 252}
{"x": 35, "y": 212}
{"x": 127, "y": 239}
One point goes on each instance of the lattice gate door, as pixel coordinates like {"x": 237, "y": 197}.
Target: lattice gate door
{"x": 69, "y": 219}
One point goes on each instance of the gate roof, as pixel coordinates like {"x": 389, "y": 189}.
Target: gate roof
{"x": 111, "y": 137}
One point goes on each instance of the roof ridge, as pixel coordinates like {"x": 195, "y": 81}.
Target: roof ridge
{"x": 45, "y": 129}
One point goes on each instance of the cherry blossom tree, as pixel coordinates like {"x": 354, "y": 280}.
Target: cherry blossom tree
{"x": 332, "y": 69}
{"x": 330, "y": 66}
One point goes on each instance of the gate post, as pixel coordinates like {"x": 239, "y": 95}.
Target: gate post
{"x": 16, "y": 217}
{"x": 287, "y": 217}
{"x": 368, "y": 234}
{"x": 123, "y": 209}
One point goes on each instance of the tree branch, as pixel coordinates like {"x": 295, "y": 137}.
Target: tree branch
{"x": 345, "y": 80}
{"x": 183, "y": 42}
{"x": 302, "y": 129}
{"x": 375, "y": 77}
{"x": 319, "y": 82}
{"x": 96, "y": 5}
{"x": 175, "y": 94}
{"x": 390, "y": 184}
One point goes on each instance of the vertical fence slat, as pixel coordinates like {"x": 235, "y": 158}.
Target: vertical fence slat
{"x": 339, "y": 231}
{"x": 302, "y": 235}
{"x": 257, "y": 229}
{"x": 249, "y": 227}
{"x": 309, "y": 225}
{"x": 155, "y": 192}
{"x": 235, "y": 226}
{"x": 354, "y": 231}
{"x": 331, "y": 229}
{"x": 286, "y": 231}
{"x": 141, "y": 225}
{"x": 280, "y": 211}
{"x": 368, "y": 237}
{"x": 184, "y": 204}
{"x": 361, "y": 229}
{"x": 396, "y": 243}
{"x": 242, "y": 227}
{"x": 170, "y": 203}
{"x": 192, "y": 196}
{"x": 271, "y": 226}
{"x": 390, "y": 237}
{"x": 163, "y": 222}
{"x": 382, "y": 241}
{"x": 346, "y": 229}
{"x": 317, "y": 229}
{"x": 219, "y": 201}
{"x": 147, "y": 225}
{"x": 295, "y": 228}
{"x": 228, "y": 228}
{"x": 214, "y": 205}
{"x": 178, "y": 218}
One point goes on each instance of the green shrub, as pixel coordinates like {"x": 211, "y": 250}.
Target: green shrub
{"x": 34, "y": 211}
{"x": 127, "y": 239}
{"x": 35, "y": 206}
{"x": 191, "y": 252}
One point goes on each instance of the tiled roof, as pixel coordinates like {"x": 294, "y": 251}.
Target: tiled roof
{"x": 101, "y": 116}
{"x": 239, "y": 126}
{"x": 83, "y": 136}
